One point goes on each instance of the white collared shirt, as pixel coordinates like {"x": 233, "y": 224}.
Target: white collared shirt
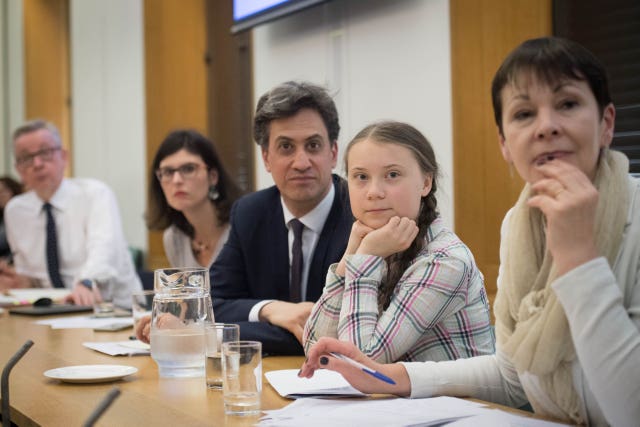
{"x": 313, "y": 223}
{"x": 91, "y": 243}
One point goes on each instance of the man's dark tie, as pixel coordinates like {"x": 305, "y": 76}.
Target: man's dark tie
{"x": 295, "y": 290}
{"x": 52, "y": 249}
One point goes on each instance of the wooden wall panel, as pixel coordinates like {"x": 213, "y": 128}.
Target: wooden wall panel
{"x": 176, "y": 79}
{"x": 231, "y": 93}
{"x": 482, "y": 33}
{"x": 46, "y": 56}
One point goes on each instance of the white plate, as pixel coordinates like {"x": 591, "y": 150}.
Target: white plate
{"x": 90, "y": 373}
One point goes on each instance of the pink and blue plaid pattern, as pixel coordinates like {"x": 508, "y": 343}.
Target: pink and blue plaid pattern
{"x": 439, "y": 309}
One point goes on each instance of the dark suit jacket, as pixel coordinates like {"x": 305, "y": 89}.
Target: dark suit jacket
{"x": 254, "y": 263}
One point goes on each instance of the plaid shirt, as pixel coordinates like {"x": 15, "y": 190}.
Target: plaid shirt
{"x": 438, "y": 310}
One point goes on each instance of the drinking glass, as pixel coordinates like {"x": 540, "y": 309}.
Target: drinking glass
{"x": 141, "y": 303}
{"x": 177, "y": 332}
{"x": 102, "y": 299}
{"x": 242, "y": 372}
{"x": 217, "y": 334}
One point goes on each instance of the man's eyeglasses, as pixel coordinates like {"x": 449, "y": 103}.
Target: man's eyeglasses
{"x": 186, "y": 171}
{"x": 45, "y": 154}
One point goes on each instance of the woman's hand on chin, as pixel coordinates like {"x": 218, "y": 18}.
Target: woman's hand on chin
{"x": 568, "y": 200}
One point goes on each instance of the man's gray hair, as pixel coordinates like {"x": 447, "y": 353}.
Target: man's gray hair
{"x": 35, "y": 125}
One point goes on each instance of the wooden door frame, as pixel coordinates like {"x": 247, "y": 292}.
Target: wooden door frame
{"x": 483, "y": 32}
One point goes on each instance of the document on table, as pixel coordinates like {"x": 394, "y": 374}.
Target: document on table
{"x": 387, "y": 412}
{"x": 394, "y": 412}
{"x": 28, "y": 296}
{"x": 90, "y": 322}
{"x": 497, "y": 418}
{"x": 323, "y": 383}
{"x": 120, "y": 348}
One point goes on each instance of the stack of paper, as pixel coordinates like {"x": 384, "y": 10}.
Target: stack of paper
{"x": 394, "y": 412}
{"x": 390, "y": 412}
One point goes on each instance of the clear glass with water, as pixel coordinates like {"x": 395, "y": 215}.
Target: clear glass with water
{"x": 102, "y": 299}
{"x": 216, "y": 335}
{"x": 242, "y": 371}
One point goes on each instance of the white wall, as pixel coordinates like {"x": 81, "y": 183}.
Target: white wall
{"x": 383, "y": 60}
{"x": 108, "y": 108}
{"x": 11, "y": 79}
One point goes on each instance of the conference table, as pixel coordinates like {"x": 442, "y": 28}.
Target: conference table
{"x": 145, "y": 398}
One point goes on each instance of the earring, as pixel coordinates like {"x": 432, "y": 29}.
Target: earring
{"x": 214, "y": 194}
{"x": 511, "y": 170}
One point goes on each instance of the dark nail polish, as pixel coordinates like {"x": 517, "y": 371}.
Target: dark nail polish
{"x": 299, "y": 372}
{"x": 324, "y": 360}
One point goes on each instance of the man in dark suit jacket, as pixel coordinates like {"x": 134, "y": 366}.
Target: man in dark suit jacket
{"x": 296, "y": 126}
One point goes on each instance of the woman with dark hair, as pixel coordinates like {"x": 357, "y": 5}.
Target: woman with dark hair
{"x": 568, "y": 303}
{"x": 190, "y": 197}
{"x": 406, "y": 288}
{"x": 9, "y": 187}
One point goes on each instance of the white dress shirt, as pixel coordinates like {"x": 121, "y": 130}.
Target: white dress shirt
{"x": 91, "y": 243}
{"x": 313, "y": 223}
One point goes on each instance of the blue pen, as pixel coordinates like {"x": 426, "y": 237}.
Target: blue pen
{"x": 369, "y": 371}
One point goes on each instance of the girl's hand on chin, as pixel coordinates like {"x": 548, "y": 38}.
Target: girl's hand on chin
{"x": 395, "y": 236}
{"x": 358, "y": 231}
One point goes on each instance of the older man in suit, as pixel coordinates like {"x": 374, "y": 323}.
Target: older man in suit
{"x": 284, "y": 238}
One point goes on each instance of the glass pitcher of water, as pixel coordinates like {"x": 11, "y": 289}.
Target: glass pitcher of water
{"x": 171, "y": 279}
{"x": 181, "y": 307}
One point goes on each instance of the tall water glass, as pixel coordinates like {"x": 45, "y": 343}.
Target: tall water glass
{"x": 242, "y": 371}
{"x": 177, "y": 332}
{"x": 216, "y": 335}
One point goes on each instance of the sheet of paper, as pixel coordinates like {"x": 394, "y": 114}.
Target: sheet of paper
{"x": 323, "y": 383}
{"x": 497, "y": 418}
{"x": 391, "y": 412}
{"x": 91, "y": 322}
{"x": 28, "y": 296}
{"x": 120, "y": 348}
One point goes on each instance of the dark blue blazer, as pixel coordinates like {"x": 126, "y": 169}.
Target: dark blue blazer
{"x": 254, "y": 263}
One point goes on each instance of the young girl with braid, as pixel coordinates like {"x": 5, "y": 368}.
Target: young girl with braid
{"x": 406, "y": 288}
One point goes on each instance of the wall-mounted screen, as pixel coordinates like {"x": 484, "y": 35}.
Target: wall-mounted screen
{"x": 249, "y": 13}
